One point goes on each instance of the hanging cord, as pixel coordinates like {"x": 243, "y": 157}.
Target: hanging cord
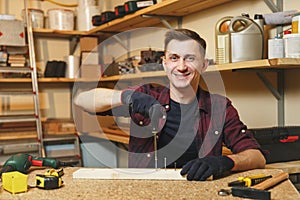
{"x": 61, "y": 4}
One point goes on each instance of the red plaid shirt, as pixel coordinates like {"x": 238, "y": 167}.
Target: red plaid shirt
{"x": 219, "y": 124}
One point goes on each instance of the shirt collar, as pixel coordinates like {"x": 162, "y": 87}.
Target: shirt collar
{"x": 202, "y": 96}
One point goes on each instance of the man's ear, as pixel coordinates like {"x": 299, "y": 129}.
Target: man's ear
{"x": 164, "y": 63}
{"x": 205, "y": 65}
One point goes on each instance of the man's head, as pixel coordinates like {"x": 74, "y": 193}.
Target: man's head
{"x": 184, "y": 59}
{"x": 185, "y": 34}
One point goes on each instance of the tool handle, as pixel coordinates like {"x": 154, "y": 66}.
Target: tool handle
{"x": 272, "y": 181}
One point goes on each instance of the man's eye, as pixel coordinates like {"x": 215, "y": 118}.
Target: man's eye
{"x": 173, "y": 58}
{"x": 190, "y": 58}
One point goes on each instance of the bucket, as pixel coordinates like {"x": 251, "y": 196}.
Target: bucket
{"x": 223, "y": 40}
{"x": 36, "y": 16}
{"x": 246, "y": 39}
{"x": 292, "y": 45}
{"x": 61, "y": 19}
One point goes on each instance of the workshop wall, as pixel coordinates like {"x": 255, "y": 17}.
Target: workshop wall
{"x": 255, "y": 103}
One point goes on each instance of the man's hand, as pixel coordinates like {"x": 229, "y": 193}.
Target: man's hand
{"x": 139, "y": 102}
{"x": 200, "y": 169}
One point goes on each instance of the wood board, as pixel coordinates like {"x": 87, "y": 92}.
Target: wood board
{"x": 129, "y": 174}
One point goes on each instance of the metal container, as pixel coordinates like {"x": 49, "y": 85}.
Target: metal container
{"x": 292, "y": 45}
{"x": 246, "y": 39}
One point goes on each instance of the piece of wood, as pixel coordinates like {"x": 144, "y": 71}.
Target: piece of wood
{"x": 129, "y": 174}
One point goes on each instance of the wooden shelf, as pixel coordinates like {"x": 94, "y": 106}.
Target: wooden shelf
{"x": 277, "y": 63}
{"x": 58, "y": 33}
{"x": 178, "y": 8}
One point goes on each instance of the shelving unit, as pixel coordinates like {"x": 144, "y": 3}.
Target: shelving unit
{"x": 153, "y": 16}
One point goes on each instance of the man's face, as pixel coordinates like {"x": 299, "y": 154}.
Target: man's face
{"x": 184, "y": 63}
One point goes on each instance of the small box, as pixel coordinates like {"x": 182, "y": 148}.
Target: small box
{"x": 12, "y": 33}
{"x": 93, "y": 72}
{"x": 57, "y": 126}
{"x": 89, "y": 44}
{"x": 89, "y": 58}
{"x": 283, "y": 143}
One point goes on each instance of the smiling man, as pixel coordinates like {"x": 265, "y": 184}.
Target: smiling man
{"x": 196, "y": 124}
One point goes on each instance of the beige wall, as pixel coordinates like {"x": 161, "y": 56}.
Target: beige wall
{"x": 256, "y": 105}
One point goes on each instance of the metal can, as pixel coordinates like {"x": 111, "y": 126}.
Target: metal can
{"x": 296, "y": 24}
{"x": 275, "y": 48}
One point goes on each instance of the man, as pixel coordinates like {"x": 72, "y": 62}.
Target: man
{"x": 196, "y": 124}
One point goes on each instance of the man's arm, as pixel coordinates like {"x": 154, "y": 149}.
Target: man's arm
{"x": 98, "y": 99}
{"x": 248, "y": 159}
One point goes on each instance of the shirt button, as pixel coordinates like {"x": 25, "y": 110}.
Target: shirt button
{"x": 216, "y": 132}
{"x": 164, "y": 117}
{"x": 243, "y": 131}
{"x": 148, "y": 155}
{"x": 167, "y": 106}
{"x": 141, "y": 123}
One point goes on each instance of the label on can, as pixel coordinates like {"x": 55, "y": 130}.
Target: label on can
{"x": 275, "y": 48}
{"x": 295, "y": 24}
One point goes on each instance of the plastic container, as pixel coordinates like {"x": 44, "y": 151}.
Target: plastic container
{"x": 36, "y": 16}
{"x": 246, "y": 39}
{"x": 223, "y": 40}
{"x": 292, "y": 45}
{"x": 61, "y": 19}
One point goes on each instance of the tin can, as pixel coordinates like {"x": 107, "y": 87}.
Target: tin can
{"x": 296, "y": 24}
{"x": 275, "y": 48}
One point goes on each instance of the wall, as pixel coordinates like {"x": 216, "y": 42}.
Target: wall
{"x": 255, "y": 103}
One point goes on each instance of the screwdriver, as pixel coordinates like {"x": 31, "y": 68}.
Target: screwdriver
{"x": 156, "y": 113}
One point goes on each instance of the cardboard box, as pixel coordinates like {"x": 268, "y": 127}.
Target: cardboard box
{"x": 88, "y": 44}
{"x": 93, "y": 72}
{"x": 12, "y": 33}
{"x": 57, "y": 126}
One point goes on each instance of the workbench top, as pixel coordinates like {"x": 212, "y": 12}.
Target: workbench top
{"x": 143, "y": 189}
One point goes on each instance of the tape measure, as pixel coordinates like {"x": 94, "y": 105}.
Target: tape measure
{"x": 50, "y": 180}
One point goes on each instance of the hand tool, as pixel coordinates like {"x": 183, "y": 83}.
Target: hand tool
{"x": 48, "y": 182}
{"x": 156, "y": 113}
{"x": 258, "y": 191}
{"x": 249, "y": 180}
{"x": 22, "y": 162}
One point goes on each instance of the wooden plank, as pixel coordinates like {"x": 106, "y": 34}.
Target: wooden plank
{"x": 168, "y": 7}
{"x": 129, "y": 174}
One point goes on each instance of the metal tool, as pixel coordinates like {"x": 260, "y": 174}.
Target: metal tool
{"x": 156, "y": 113}
{"x": 50, "y": 180}
{"x": 258, "y": 191}
{"x": 249, "y": 180}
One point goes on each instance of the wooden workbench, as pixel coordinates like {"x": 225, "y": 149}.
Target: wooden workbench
{"x": 143, "y": 189}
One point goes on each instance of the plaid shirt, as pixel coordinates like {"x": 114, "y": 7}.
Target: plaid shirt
{"x": 218, "y": 124}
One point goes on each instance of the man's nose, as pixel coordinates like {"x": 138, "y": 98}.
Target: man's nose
{"x": 181, "y": 64}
